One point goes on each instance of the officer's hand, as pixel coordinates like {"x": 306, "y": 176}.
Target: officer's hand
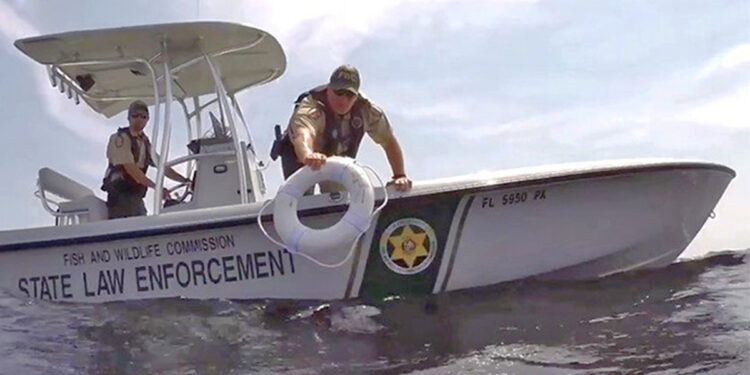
{"x": 315, "y": 160}
{"x": 165, "y": 194}
{"x": 402, "y": 183}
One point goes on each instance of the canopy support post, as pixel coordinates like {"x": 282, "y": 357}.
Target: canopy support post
{"x": 224, "y": 102}
{"x": 159, "y": 185}
{"x": 252, "y": 164}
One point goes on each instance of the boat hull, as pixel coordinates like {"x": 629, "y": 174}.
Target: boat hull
{"x": 584, "y": 224}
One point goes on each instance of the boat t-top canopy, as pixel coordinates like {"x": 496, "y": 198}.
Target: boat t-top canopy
{"x": 110, "y": 68}
{"x": 162, "y": 64}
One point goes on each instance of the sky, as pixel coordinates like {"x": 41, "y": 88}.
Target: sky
{"x": 468, "y": 86}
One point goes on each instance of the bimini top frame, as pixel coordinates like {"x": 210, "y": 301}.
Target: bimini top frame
{"x": 159, "y": 64}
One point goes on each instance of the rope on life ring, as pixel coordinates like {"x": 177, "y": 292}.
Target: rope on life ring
{"x": 305, "y": 241}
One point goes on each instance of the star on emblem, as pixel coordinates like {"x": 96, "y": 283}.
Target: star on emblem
{"x": 408, "y": 246}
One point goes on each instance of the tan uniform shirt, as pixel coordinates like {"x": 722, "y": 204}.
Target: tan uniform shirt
{"x": 119, "y": 151}
{"x": 309, "y": 115}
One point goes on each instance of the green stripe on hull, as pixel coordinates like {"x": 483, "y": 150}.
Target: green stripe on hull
{"x": 408, "y": 246}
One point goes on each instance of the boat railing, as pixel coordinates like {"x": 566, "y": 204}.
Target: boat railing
{"x": 77, "y": 203}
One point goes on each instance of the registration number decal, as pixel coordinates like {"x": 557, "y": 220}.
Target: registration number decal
{"x": 515, "y": 198}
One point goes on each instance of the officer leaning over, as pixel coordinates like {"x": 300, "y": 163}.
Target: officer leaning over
{"x": 331, "y": 120}
{"x": 129, "y": 156}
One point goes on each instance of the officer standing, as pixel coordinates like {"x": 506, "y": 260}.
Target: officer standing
{"x": 129, "y": 156}
{"x": 330, "y": 120}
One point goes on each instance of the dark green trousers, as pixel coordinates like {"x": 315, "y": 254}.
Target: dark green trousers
{"x": 125, "y": 205}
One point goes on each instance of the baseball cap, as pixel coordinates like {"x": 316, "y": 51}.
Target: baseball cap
{"x": 137, "y": 106}
{"x": 345, "y": 77}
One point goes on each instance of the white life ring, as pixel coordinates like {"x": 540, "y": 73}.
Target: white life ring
{"x": 301, "y": 238}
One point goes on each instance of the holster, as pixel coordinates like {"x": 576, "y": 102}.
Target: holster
{"x": 276, "y": 147}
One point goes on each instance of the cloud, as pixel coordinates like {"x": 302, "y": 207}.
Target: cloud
{"x": 729, "y": 110}
{"x": 79, "y": 120}
{"x": 12, "y": 26}
{"x": 324, "y": 33}
{"x": 587, "y": 84}
{"x": 725, "y": 85}
{"x": 737, "y": 57}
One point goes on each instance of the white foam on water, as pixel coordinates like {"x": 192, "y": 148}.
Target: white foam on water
{"x": 356, "y": 319}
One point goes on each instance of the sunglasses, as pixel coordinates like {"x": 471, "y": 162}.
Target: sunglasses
{"x": 344, "y": 92}
{"x": 139, "y": 115}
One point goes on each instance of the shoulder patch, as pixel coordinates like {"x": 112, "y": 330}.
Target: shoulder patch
{"x": 375, "y": 112}
{"x": 119, "y": 141}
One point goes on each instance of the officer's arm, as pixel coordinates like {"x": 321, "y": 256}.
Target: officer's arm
{"x": 172, "y": 174}
{"x": 306, "y": 122}
{"x": 395, "y": 156}
{"x": 381, "y": 133}
{"x": 140, "y": 177}
{"x": 302, "y": 128}
{"x": 303, "y": 143}
{"x": 137, "y": 174}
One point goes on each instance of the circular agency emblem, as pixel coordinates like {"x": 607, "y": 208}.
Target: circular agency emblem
{"x": 357, "y": 122}
{"x": 408, "y": 246}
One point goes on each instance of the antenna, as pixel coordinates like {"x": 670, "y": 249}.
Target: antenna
{"x": 220, "y": 131}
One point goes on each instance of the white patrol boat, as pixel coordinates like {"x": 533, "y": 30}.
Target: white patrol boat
{"x": 572, "y": 221}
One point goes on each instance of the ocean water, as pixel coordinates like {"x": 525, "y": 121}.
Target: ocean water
{"x": 692, "y": 317}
